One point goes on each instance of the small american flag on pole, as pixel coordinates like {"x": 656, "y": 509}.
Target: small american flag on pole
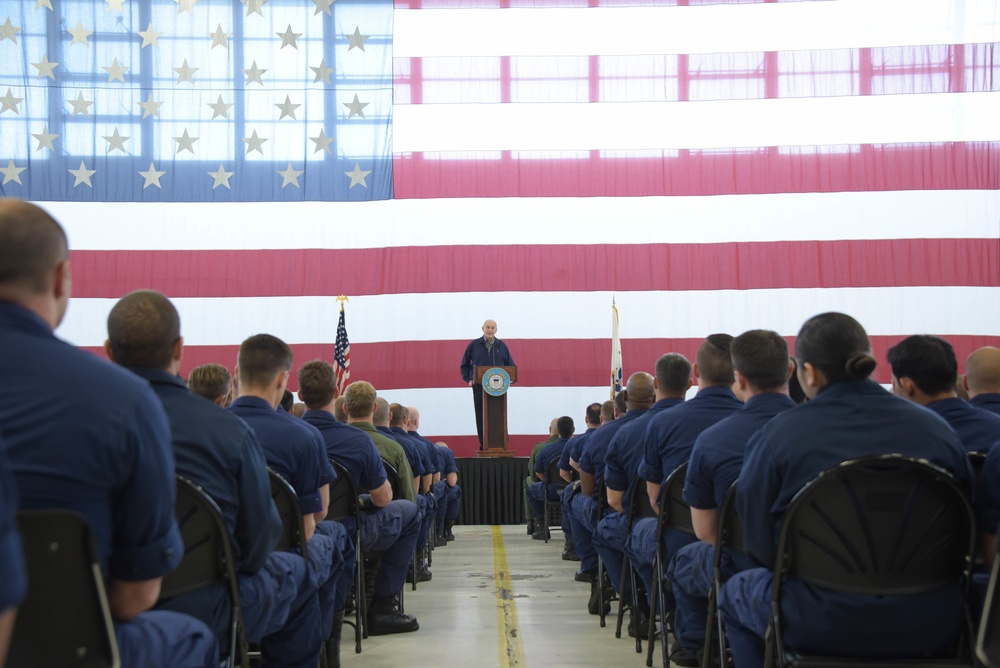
{"x": 342, "y": 351}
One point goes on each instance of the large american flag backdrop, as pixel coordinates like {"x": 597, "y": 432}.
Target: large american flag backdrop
{"x": 714, "y": 167}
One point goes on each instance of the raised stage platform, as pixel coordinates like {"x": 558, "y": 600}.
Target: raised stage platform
{"x": 491, "y": 489}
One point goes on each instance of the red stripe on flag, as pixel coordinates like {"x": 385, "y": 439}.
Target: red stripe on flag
{"x": 724, "y": 266}
{"x": 952, "y": 166}
{"x": 540, "y": 363}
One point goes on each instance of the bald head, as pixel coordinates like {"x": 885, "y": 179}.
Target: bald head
{"x": 414, "y": 417}
{"x": 144, "y": 330}
{"x": 982, "y": 371}
{"x": 552, "y": 428}
{"x": 639, "y": 392}
{"x": 34, "y": 255}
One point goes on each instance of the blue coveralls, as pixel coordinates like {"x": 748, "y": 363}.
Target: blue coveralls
{"x": 847, "y": 419}
{"x": 68, "y": 446}
{"x": 420, "y": 459}
{"x": 13, "y": 576}
{"x": 979, "y": 429}
{"x": 452, "y": 498}
{"x": 572, "y": 451}
{"x": 391, "y": 529}
{"x": 987, "y": 401}
{"x": 669, "y": 439}
{"x": 714, "y": 465}
{"x": 539, "y": 491}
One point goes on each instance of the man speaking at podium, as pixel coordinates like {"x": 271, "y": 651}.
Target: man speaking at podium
{"x": 487, "y": 350}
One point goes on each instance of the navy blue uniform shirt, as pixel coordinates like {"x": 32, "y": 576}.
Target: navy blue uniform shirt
{"x": 292, "y": 447}
{"x": 626, "y": 449}
{"x": 671, "y": 434}
{"x": 220, "y": 453}
{"x": 717, "y": 455}
{"x": 548, "y": 453}
{"x": 449, "y": 460}
{"x": 13, "y": 576}
{"x": 84, "y": 434}
{"x": 351, "y": 448}
{"x": 593, "y": 457}
{"x": 988, "y": 495}
{"x": 435, "y": 457}
{"x": 988, "y": 402}
{"x": 979, "y": 429}
{"x": 477, "y": 355}
{"x": 414, "y": 455}
{"x": 574, "y": 448}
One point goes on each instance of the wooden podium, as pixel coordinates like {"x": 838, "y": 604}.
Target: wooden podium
{"x": 494, "y": 415}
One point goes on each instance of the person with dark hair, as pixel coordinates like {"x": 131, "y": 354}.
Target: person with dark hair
{"x": 795, "y": 392}
{"x": 982, "y": 378}
{"x": 295, "y": 450}
{"x": 762, "y": 368}
{"x": 423, "y": 465}
{"x": 487, "y": 350}
{"x": 218, "y": 452}
{"x": 212, "y": 381}
{"x": 639, "y": 395}
{"x": 669, "y": 439}
{"x": 68, "y": 446}
{"x": 540, "y": 491}
{"x": 287, "y": 401}
{"x": 13, "y": 573}
{"x": 388, "y": 525}
{"x": 625, "y": 451}
{"x": 531, "y": 479}
{"x": 848, "y": 416}
{"x": 924, "y": 369}
{"x": 568, "y": 465}
{"x": 620, "y": 405}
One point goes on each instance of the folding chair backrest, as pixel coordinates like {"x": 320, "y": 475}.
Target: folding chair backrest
{"x": 395, "y": 482}
{"x": 208, "y": 557}
{"x": 293, "y": 531}
{"x": 977, "y": 459}
{"x": 884, "y": 525}
{"x": 988, "y": 641}
{"x": 675, "y": 512}
{"x": 552, "y": 476}
{"x": 730, "y": 525}
{"x": 639, "y": 505}
{"x": 343, "y": 495}
{"x": 65, "y": 619}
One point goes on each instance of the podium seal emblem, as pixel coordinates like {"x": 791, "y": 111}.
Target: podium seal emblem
{"x": 496, "y": 382}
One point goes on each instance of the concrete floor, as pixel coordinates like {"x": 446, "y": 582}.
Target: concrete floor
{"x": 539, "y": 615}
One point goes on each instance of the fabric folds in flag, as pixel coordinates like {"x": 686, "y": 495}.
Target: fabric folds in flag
{"x": 616, "y": 353}
{"x": 342, "y": 356}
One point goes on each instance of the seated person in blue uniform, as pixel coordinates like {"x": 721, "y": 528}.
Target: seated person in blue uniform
{"x": 669, "y": 439}
{"x": 531, "y": 479}
{"x": 70, "y": 447}
{"x": 13, "y": 575}
{"x": 297, "y": 452}
{"x": 982, "y": 378}
{"x": 388, "y": 525}
{"x": 762, "y": 367}
{"x": 212, "y": 381}
{"x": 924, "y": 370}
{"x": 569, "y": 471}
{"x": 541, "y": 491}
{"x": 218, "y": 452}
{"x": 848, "y": 416}
{"x": 625, "y": 451}
{"x": 447, "y": 492}
{"x": 424, "y": 462}
{"x": 414, "y": 464}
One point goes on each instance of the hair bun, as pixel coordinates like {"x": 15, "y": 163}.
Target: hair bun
{"x": 860, "y": 365}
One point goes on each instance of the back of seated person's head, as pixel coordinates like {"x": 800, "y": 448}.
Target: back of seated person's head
{"x": 592, "y": 415}
{"x": 359, "y": 400}
{"x": 620, "y": 407}
{"x": 673, "y": 374}
{"x": 836, "y": 345}
{"x": 298, "y": 409}
{"x": 212, "y": 381}
{"x": 927, "y": 361}
{"x": 397, "y": 415}
{"x": 565, "y": 427}
{"x": 261, "y": 359}
{"x": 795, "y": 392}
{"x": 715, "y": 364}
{"x": 639, "y": 391}
{"x": 382, "y": 410}
{"x": 338, "y": 409}
{"x": 553, "y": 432}
{"x": 317, "y": 383}
{"x": 287, "y": 401}
{"x": 762, "y": 357}
{"x": 982, "y": 371}
{"x": 33, "y": 256}
{"x": 607, "y": 411}
{"x": 144, "y": 330}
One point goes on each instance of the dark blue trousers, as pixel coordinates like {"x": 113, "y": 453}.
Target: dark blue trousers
{"x": 609, "y": 540}
{"x": 584, "y": 509}
{"x": 160, "y": 638}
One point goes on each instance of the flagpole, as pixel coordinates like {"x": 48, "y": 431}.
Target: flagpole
{"x": 616, "y": 352}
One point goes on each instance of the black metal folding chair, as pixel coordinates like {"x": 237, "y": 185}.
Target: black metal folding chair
{"x": 728, "y": 536}
{"x": 344, "y": 505}
{"x": 638, "y": 508}
{"x": 552, "y": 510}
{"x": 395, "y": 482}
{"x": 65, "y": 619}
{"x": 602, "y": 508}
{"x": 988, "y": 638}
{"x": 674, "y": 514}
{"x": 293, "y": 528}
{"x": 857, "y": 528}
{"x": 208, "y": 561}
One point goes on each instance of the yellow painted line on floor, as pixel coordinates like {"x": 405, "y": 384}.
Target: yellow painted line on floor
{"x": 508, "y": 631}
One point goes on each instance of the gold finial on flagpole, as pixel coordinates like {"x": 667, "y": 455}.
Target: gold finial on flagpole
{"x": 342, "y": 299}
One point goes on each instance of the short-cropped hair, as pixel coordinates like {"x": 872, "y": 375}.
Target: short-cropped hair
{"x": 381, "y": 410}
{"x": 143, "y": 328}
{"x": 210, "y": 381}
{"x": 359, "y": 399}
{"x": 762, "y": 356}
{"x": 715, "y": 365}
{"x": 593, "y": 413}
{"x": 397, "y": 415}
{"x": 316, "y": 383}
{"x": 929, "y": 361}
{"x": 338, "y": 409}
{"x": 608, "y": 411}
{"x": 673, "y": 373}
{"x": 262, "y": 357}
{"x": 565, "y": 427}
{"x": 32, "y": 244}
{"x": 620, "y": 404}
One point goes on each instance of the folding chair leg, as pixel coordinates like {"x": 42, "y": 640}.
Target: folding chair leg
{"x": 626, "y": 567}
{"x": 709, "y": 628}
{"x": 635, "y": 610}
{"x": 600, "y": 589}
{"x": 656, "y": 605}
{"x": 665, "y": 615}
{"x": 413, "y": 563}
{"x": 360, "y": 597}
